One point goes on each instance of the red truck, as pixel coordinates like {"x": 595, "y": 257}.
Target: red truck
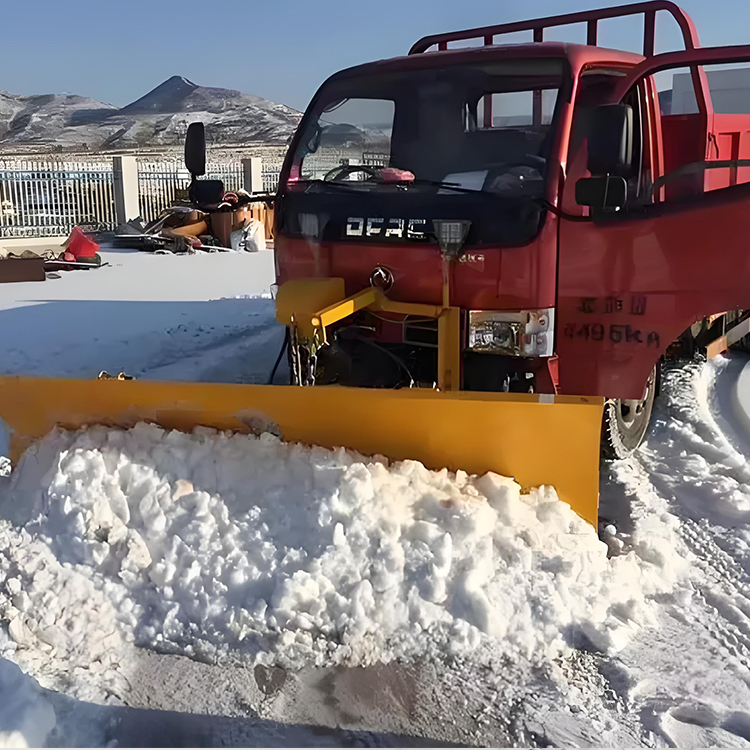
{"x": 593, "y": 223}
{"x": 486, "y": 251}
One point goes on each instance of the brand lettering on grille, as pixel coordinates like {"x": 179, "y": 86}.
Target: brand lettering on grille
{"x": 378, "y": 226}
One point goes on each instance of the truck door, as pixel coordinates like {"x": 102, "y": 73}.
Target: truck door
{"x": 636, "y": 271}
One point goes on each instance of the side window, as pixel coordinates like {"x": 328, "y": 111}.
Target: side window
{"x": 640, "y": 177}
{"x": 691, "y": 127}
{"x": 595, "y": 86}
{"x": 677, "y": 93}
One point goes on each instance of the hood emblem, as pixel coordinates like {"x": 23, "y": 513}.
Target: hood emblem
{"x": 381, "y": 278}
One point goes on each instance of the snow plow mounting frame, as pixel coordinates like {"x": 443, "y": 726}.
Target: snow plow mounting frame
{"x": 311, "y": 305}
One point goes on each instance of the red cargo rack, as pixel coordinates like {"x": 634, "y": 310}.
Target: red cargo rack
{"x": 590, "y": 17}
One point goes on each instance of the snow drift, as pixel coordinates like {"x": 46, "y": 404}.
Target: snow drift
{"x": 215, "y": 545}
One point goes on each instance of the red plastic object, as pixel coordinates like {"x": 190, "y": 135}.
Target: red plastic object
{"x": 79, "y": 245}
{"x": 391, "y": 174}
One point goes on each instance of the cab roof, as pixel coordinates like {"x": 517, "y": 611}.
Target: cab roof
{"x": 578, "y": 55}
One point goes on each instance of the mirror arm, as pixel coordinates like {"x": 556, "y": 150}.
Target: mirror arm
{"x": 555, "y": 211}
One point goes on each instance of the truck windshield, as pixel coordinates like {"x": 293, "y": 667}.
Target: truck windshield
{"x": 471, "y": 127}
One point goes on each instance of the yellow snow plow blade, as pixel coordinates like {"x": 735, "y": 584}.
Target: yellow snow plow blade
{"x": 536, "y": 439}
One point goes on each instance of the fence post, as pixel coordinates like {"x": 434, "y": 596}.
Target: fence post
{"x": 125, "y": 186}
{"x": 252, "y": 170}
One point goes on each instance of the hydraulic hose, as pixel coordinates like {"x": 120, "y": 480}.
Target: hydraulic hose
{"x": 281, "y": 354}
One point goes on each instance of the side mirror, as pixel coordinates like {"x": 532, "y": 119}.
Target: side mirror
{"x": 195, "y": 149}
{"x": 609, "y": 131}
{"x": 607, "y": 193}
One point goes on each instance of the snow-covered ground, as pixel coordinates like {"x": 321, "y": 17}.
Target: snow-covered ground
{"x": 173, "y": 317}
{"x": 162, "y": 588}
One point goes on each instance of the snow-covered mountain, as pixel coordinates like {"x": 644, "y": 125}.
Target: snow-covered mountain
{"x": 45, "y": 117}
{"x": 160, "y": 118}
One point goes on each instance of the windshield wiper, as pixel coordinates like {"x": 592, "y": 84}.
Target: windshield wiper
{"x": 355, "y": 187}
{"x": 448, "y": 185}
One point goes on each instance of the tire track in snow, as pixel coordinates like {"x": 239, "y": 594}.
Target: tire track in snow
{"x": 693, "y": 470}
{"x": 722, "y": 583}
{"x": 723, "y": 593}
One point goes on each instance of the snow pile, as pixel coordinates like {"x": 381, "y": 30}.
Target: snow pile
{"x": 56, "y": 617}
{"x": 26, "y": 718}
{"x": 211, "y": 544}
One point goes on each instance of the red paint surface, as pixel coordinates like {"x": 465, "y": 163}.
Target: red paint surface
{"x": 672, "y": 265}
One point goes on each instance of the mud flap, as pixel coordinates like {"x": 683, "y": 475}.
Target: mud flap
{"x": 537, "y": 439}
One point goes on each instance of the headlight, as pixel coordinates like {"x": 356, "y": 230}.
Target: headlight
{"x": 529, "y": 333}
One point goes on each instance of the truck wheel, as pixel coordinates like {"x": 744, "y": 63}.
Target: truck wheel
{"x": 626, "y": 421}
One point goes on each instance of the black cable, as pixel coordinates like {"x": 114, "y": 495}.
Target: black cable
{"x": 390, "y": 354}
{"x": 281, "y": 354}
{"x": 562, "y": 214}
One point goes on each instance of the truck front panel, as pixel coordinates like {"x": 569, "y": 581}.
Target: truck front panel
{"x": 379, "y": 157}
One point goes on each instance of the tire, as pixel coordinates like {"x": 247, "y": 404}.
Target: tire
{"x": 625, "y": 422}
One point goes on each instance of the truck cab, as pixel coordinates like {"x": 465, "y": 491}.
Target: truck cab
{"x": 592, "y": 226}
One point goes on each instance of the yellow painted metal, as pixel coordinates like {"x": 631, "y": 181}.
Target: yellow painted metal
{"x": 518, "y": 435}
{"x": 299, "y": 301}
{"x": 346, "y": 307}
{"x": 373, "y": 299}
{"x": 449, "y": 349}
{"x": 731, "y": 336}
{"x": 409, "y": 308}
{"x": 716, "y": 347}
{"x": 446, "y": 266}
{"x": 321, "y": 302}
{"x": 536, "y": 439}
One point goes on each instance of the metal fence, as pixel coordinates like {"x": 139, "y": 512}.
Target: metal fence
{"x": 271, "y": 177}
{"x": 50, "y": 198}
{"x": 161, "y": 183}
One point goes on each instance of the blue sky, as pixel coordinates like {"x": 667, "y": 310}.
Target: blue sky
{"x": 117, "y": 50}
